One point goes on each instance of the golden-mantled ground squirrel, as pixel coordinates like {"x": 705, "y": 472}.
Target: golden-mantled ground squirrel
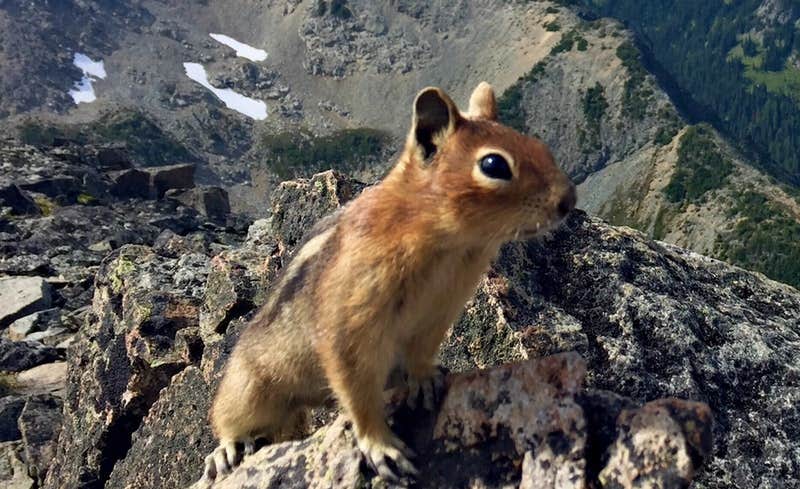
{"x": 378, "y": 283}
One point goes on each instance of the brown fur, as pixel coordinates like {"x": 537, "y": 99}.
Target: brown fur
{"x": 380, "y": 284}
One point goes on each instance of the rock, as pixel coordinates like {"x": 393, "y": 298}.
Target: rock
{"x": 166, "y": 446}
{"x": 16, "y": 356}
{"x": 130, "y": 183}
{"x": 49, "y": 378}
{"x": 36, "y": 322}
{"x": 64, "y": 189}
{"x": 658, "y": 444}
{"x": 514, "y": 425}
{"x": 112, "y": 158}
{"x": 211, "y": 202}
{"x": 13, "y": 471}
{"x": 40, "y": 424}
{"x": 20, "y": 296}
{"x": 17, "y": 200}
{"x": 298, "y": 204}
{"x": 147, "y": 307}
{"x": 10, "y": 409}
{"x": 163, "y": 178}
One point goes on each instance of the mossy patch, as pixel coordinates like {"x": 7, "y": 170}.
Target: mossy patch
{"x": 123, "y": 267}
{"x": 86, "y": 199}
{"x": 8, "y": 382}
{"x": 45, "y": 205}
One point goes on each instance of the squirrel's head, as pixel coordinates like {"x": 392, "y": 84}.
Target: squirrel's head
{"x": 486, "y": 180}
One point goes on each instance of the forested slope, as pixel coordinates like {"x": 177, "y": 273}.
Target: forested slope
{"x": 736, "y": 64}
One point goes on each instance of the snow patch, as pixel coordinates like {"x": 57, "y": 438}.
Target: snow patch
{"x": 255, "y": 109}
{"x": 83, "y": 91}
{"x": 242, "y": 49}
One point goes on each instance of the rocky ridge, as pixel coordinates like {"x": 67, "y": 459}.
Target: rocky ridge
{"x": 650, "y": 320}
{"x": 62, "y": 210}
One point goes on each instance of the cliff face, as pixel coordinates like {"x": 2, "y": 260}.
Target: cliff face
{"x": 650, "y": 320}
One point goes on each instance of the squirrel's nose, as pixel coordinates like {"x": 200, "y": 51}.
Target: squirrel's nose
{"x": 568, "y": 200}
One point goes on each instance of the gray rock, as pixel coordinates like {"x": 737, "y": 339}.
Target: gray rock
{"x": 211, "y": 202}
{"x": 10, "y": 409}
{"x": 46, "y": 379}
{"x": 129, "y": 183}
{"x": 32, "y": 323}
{"x": 16, "y": 356}
{"x": 40, "y": 424}
{"x": 163, "y": 178}
{"x": 20, "y": 296}
{"x": 514, "y": 425}
{"x": 17, "y": 200}
{"x": 13, "y": 471}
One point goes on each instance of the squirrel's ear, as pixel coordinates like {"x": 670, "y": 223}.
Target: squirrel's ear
{"x": 435, "y": 118}
{"x": 482, "y": 103}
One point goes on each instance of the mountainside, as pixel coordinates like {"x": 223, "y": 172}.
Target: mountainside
{"x": 640, "y": 164}
{"x": 733, "y": 63}
{"x": 338, "y": 79}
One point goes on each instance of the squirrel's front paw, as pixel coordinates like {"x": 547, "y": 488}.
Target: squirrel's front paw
{"x": 430, "y": 387}
{"x": 381, "y": 455}
{"x": 225, "y": 457}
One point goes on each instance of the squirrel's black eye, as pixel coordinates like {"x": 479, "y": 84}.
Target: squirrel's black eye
{"x": 495, "y": 166}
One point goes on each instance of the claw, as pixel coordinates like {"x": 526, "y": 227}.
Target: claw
{"x": 225, "y": 457}
{"x": 249, "y": 447}
{"x": 378, "y": 454}
{"x": 429, "y": 388}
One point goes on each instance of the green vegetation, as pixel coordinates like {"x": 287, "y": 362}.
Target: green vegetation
{"x": 552, "y": 10}
{"x": 568, "y": 41}
{"x": 745, "y": 94}
{"x": 765, "y": 239}
{"x": 553, "y": 26}
{"x": 45, "y": 205}
{"x": 701, "y": 167}
{"x": 594, "y": 108}
{"x": 595, "y": 104}
{"x": 298, "y": 153}
{"x": 510, "y": 109}
{"x": 86, "y": 199}
{"x": 637, "y": 95}
{"x": 781, "y": 80}
{"x": 144, "y": 140}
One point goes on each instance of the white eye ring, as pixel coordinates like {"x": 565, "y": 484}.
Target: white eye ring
{"x": 484, "y": 180}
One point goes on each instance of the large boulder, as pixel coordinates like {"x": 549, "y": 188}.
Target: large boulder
{"x": 211, "y": 202}
{"x": 163, "y": 178}
{"x": 651, "y": 321}
{"x": 20, "y": 296}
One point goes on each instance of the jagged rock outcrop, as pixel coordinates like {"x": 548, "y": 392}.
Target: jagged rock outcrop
{"x": 528, "y": 424}
{"x": 651, "y": 320}
{"x": 48, "y": 262}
